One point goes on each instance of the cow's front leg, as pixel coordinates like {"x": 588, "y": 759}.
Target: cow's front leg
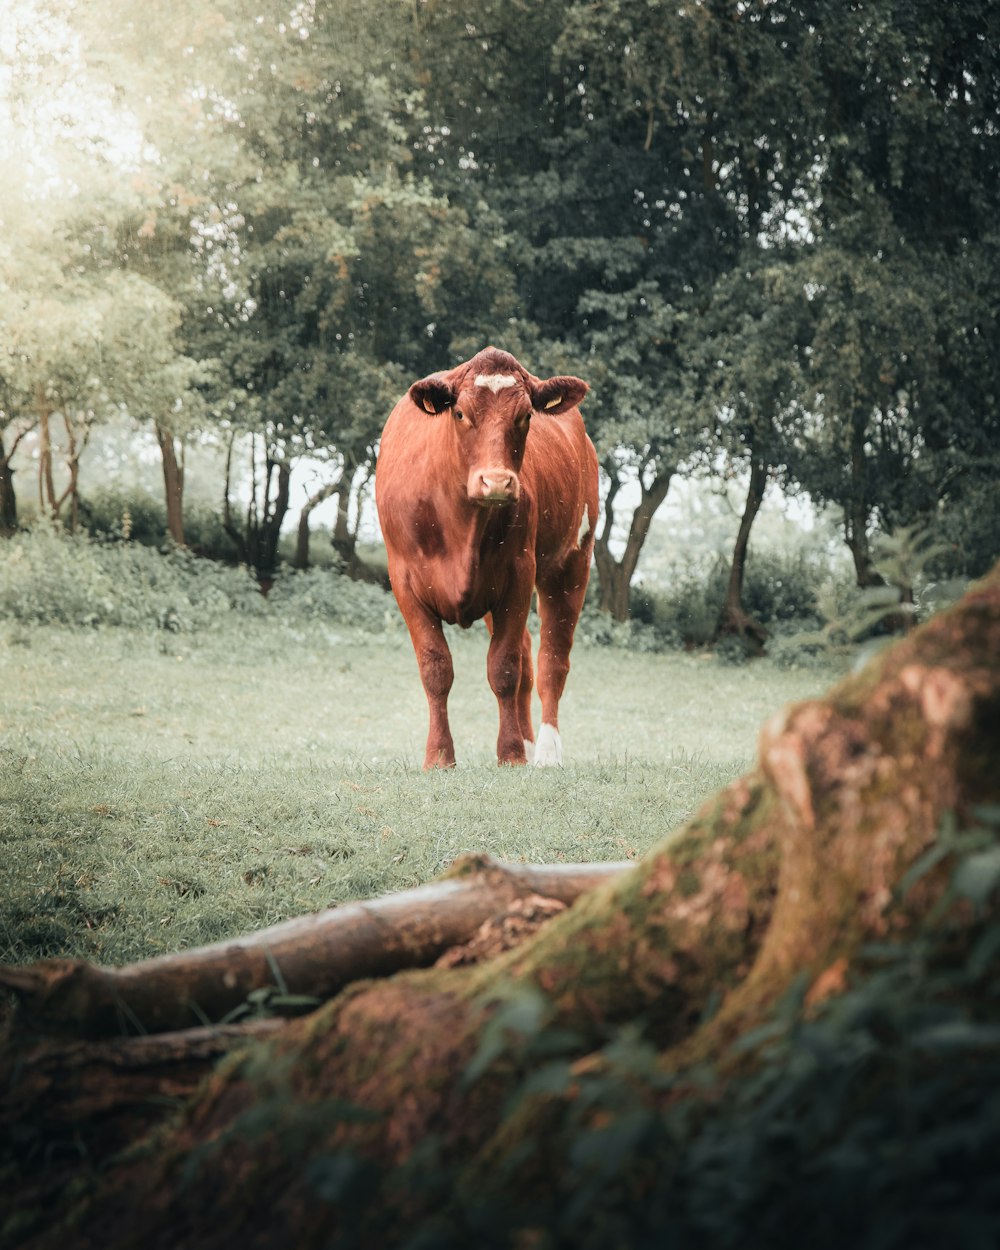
{"x": 437, "y": 674}
{"x": 504, "y": 667}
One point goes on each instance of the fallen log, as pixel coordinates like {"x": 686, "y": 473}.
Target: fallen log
{"x": 314, "y": 955}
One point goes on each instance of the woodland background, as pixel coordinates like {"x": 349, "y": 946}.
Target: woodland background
{"x": 765, "y": 232}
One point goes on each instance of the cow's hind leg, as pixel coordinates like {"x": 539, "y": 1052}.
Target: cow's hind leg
{"x": 560, "y": 601}
{"x": 524, "y": 695}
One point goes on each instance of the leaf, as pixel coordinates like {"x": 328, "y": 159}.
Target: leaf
{"x": 921, "y": 867}
{"x": 958, "y": 1035}
{"x": 977, "y": 876}
{"x": 984, "y": 952}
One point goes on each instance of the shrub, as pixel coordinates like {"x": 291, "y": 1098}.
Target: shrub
{"x": 323, "y": 594}
{"x": 778, "y": 588}
{"x": 131, "y": 516}
{"x": 136, "y": 516}
{"x": 48, "y": 576}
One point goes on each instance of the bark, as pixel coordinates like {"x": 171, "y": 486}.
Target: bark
{"x": 732, "y": 618}
{"x": 74, "y": 450}
{"x": 173, "y": 481}
{"x": 104, "y": 1094}
{"x": 614, "y": 577}
{"x": 46, "y": 478}
{"x": 52, "y": 503}
{"x": 428, "y": 1108}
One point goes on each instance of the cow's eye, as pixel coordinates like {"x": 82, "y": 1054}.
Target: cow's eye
{"x": 459, "y": 415}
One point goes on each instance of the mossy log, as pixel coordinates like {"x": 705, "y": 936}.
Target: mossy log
{"x": 428, "y": 1108}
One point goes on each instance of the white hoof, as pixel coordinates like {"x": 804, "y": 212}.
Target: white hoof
{"x": 548, "y": 747}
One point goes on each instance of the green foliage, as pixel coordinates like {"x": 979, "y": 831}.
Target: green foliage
{"x": 324, "y": 594}
{"x": 779, "y": 591}
{"x": 136, "y": 516}
{"x": 706, "y": 210}
{"x": 50, "y": 577}
{"x": 847, "y": 617}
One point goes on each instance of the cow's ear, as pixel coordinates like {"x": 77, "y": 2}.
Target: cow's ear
{"x": 558, "y": 394}
{"x": 432, "y": 394}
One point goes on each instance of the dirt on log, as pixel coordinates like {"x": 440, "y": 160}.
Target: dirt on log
{"x": 566, "y": 1091}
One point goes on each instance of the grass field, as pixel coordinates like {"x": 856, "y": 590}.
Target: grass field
{"x": 159, "y": 791}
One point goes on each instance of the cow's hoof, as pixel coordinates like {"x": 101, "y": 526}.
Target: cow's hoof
{"x": 438, "y": 760}
{"x": 548, "y": 747}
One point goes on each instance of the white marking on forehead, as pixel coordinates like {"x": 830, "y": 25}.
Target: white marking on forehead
{"x": 496, "y": 382}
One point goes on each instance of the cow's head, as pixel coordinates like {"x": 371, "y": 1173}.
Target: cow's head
{"x": 490, "y": 402}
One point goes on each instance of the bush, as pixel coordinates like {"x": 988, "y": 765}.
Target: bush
{"x": 132, "y": 516}
{"x": 48, "y": 576}
{"x": 323, "y": 594}
{"x": 779, "y": 589}
{"x": 138, "y": 517}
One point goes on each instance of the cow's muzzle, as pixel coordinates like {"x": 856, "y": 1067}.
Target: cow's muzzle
{"x": 494, "y": 487}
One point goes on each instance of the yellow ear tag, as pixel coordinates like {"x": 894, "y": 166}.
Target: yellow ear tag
{"x": 429, "y": 407}
{"x": 554, "y": 402}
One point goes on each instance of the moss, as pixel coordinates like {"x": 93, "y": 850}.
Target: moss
{"x": 688, "y": 883}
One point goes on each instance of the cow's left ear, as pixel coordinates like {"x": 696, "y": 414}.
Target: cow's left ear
{"x": 433, "y": 394}
{"x": 558, "y": 394}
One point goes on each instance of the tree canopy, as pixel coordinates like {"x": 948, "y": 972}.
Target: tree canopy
{"x": 765, "y": 232}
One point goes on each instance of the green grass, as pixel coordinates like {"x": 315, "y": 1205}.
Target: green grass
{"x": 161, "y": 791}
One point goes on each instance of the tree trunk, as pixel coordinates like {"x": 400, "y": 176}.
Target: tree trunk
{"x": 733, "y": 619}
{"x": 345, "y": 540}
{"x": 8, "y": 496}
{"x": 274, "y": 512}
{"x": 46, "y": 477}
{"x": 257, "y": 542}
{"x": 74, "y": 450}
{"x": 301, "y": 560}
{"x": 699, "y": 1045}
{"x": 173, "y": 481}
{"x": 857, "y": 510}
{"x": 614, "y": 577}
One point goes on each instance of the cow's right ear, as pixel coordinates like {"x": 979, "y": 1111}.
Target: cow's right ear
{"x": 433, "y": 394}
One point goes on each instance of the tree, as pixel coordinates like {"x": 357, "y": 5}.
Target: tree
{"x": 896, "y": 101}
{"x": 777, "y": 992}
{"x": 755, "y": 335}
{"x": 90, "y": 157}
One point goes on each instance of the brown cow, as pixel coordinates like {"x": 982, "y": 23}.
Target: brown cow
{"x": 476, "y": 512}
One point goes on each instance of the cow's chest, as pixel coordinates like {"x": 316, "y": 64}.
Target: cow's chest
{"x": 461, "y": 581}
